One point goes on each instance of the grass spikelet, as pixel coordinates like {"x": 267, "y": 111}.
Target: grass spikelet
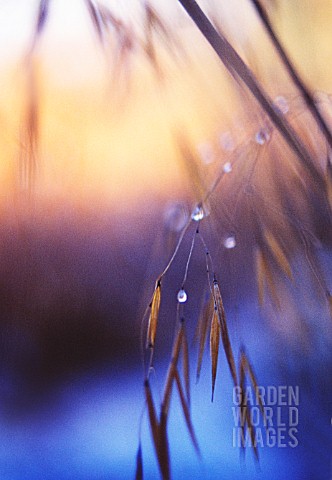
{"x": 278, "y": 253}
{"x": 224, "y": 330}
{"x": 151, "y": 24}
{"x": 139, "y": 463}
{"x": 254, "y": 382}
{"x": 155, "y": 23}
{"x": 154, "y": 314}
{"x": 119, "y": 36}
{"x": 202, "y": 329}
{"x": 186, "y": 412}
{"x": 214, "y": 347}
{"x": 253, "y": 379}
{"x": 245, "y": 409}
{"x": 244, "y": 402}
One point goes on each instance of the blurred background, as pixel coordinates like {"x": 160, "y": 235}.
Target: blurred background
{"x": 95, "y": 187}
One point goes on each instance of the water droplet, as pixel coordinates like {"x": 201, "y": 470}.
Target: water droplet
{"x": 199, "y": 213}
{"x": 262, "y": 136}
{"x": 227, "y": 168}
{"x": 206, "y": 153}
{"x": 175, "y": 216}
{"x": 182, "y": 296}
{"x": 230, "y": 242}
{"x": 226, "y": 142}
{"x": 281, "y": 104}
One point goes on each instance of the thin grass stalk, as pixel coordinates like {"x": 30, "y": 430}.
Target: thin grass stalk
{"x": 185, "y": 228}
{"x": 240, "y": 71}
{"x": 307, "y": 96}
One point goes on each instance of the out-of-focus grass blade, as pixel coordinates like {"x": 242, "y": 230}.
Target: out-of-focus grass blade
{"x": 186, "y": 366}
{"x": 41, "y": 17}
{"x": 191, "y": 164}
{"x": 178, "y": 342}
{"x": 139, "y": 463}
{"x": 224, "y": 330}
{"x": 186, "y": 412}
{"x": 163, "y": 450}
{"x": 265, "y": 276}
{"x": 96, "y": 19}
{"x": 328, "y": 179}
{"x": 152, "y": 415}
{"x": 260, "y": 275}
{"x": 202, "y": 329}
{"x": 253, "y": 379}
{"x": 241, "y": 72}
{"x": 278, "y": 253}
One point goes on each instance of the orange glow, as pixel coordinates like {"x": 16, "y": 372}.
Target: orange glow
{"x": 105, "y": 139}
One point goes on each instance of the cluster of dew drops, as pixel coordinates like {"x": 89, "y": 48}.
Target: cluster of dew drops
{"x": 176, "y": 212}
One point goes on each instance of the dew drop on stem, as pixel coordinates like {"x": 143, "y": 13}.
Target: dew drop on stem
{"x": 182, "y": 296}
{"x": 281, "y": 104}
{"x": 230, "y": 242}
{"x": 227, "y": 168}
{"x": 199, "y": 213}
{"x": 262, "y": 136}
